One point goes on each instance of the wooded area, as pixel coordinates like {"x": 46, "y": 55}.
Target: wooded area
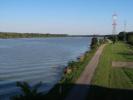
{"x": 28, "y": 35}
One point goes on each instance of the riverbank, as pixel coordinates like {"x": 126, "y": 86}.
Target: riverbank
{"x": 60, "y": 90}
{"x": 76, "y": 68}
{"x": 113, "y": 83}
{"x": 84, "y": 80}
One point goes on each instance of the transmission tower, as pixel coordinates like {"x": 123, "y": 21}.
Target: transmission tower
{"x": 114, "y": 24}
{"x": 125, "y": 25}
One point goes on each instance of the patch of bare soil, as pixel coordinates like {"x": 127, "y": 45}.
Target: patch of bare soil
{"x": 122, "y": 64}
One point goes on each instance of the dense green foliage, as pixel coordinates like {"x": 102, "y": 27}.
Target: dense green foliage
{"x": 126, "y": 36}
{"x": 130, "y": 37}
{"x": 113, "y": 38}
{"x": 94, "y": 43}
{"x": 122, "y": 36}
{"x": 28, "y": 35}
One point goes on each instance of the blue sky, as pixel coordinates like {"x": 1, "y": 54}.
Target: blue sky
{"x": 65, "y": 16}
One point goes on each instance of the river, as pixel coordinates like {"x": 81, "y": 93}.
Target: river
{"x": 36, "y": 59}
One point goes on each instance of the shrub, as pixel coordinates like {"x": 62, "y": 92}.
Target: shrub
{"x": 94, "y": 43}
{"x": 28, "y": 92}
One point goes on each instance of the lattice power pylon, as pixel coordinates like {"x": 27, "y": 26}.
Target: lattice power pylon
{"x": 114, "y": 24}
{"x": 125, "y": 25}
{"x": 114, "y": 27}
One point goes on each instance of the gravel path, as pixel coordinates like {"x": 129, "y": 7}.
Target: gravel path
{"x": 81, "y": 87}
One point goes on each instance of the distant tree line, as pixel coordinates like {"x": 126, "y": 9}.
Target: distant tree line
{"x": 122, "y": 36}
{"x": 126, "y": 36}
{"x": 28, "y": 35}
{"x": 86, "y": 35}
{"x": 96, "y": 42}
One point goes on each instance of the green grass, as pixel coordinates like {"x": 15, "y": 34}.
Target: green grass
{"x": 108, "y": 76}
{"x": 111, "y": 83}
{"x": 102, "y": 74}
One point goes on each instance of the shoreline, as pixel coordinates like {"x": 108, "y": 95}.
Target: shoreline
{"x": 61, "y": 88}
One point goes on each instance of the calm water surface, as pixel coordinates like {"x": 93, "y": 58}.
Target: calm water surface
{"x": 37, "y": 59}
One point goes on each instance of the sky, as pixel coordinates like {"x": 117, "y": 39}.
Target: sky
{"x": 65, "y": 16}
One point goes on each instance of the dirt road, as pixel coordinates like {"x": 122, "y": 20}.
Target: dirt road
{"x": 81, "y": 87}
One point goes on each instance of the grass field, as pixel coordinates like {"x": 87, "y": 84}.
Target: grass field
{"x": 111, "y": 78}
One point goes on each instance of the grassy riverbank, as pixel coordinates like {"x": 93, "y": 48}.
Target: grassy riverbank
{"x": 61, "y": 89}
{"x": 111, "y": 83}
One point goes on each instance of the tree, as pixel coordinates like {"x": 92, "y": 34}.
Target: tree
{"x": 28, "y": 92}
{"x": 121, "y": 36}
{"x": 94, "y": 43}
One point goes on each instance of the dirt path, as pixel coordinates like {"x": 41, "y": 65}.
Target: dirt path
{"x": 81, "y": 87}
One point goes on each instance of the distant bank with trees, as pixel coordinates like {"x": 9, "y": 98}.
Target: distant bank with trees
{"x": 6, "y": 35}
{"x": 122, "y": 36}
{"x": 126, "y": 36}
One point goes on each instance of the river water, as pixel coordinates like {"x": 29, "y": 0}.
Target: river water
{"x": 36, "y": 59}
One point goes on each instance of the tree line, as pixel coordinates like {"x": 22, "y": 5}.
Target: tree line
{"x": 126, "y": 36}
{"x": 28, "y": 35}
{"x": 122, "y": 36}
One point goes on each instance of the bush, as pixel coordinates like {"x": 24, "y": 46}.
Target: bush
{"x": 94, "y": 43}
{"x": 130, "y": 37}
{"x": 28, "y": 92}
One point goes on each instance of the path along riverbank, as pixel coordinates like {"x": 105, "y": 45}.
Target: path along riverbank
{"x": 81, "y": 87}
